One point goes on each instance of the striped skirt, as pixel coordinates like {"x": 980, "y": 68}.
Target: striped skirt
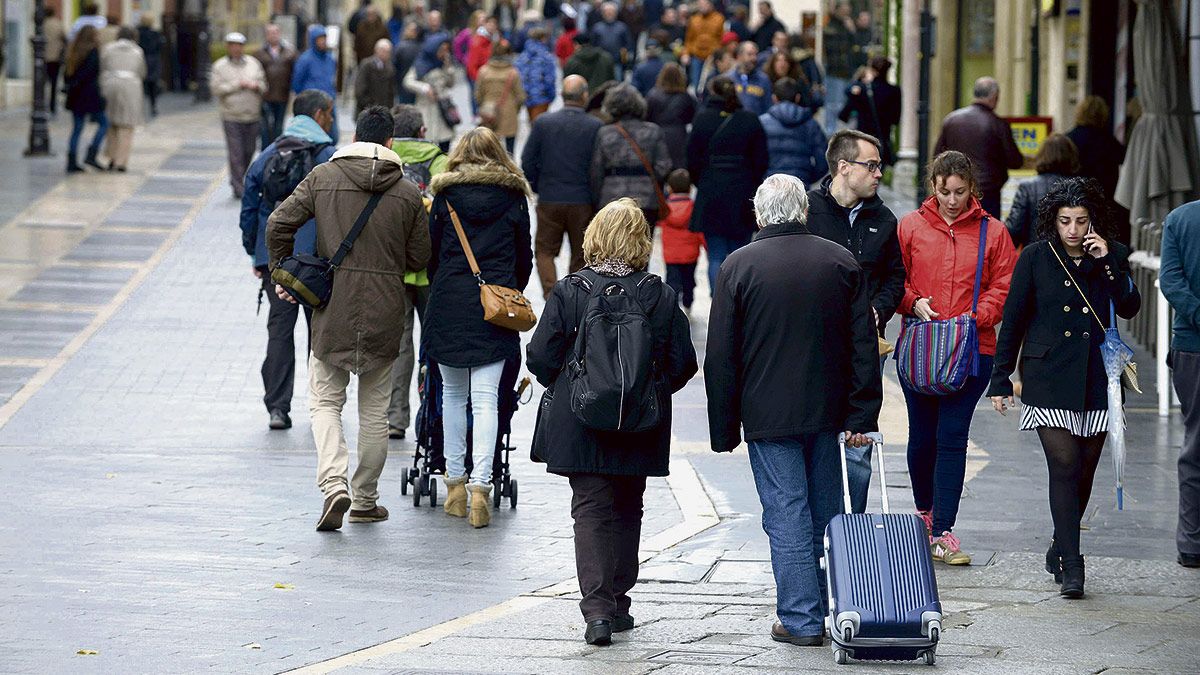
{"x": 1083, "y": 424}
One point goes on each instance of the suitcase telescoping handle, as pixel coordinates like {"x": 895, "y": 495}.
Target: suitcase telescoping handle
{"x": 877, "y": 441}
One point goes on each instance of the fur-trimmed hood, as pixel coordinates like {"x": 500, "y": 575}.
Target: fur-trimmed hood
{"x": 481, "y": 174}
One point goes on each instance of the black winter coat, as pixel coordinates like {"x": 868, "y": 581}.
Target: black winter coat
{"x": 494, "y": 212}
{"x": 872, "y": 240}
{"x": 559, "y": 439}
{"x": 83, "y": 86}
{"x": 672, "y": 113}
{"x": 1100, "y": 156}
{"x": 727, "y": 168}
{"x": 1061, "y": 366}
{"x": 791, "y": 348}
{"x": 1022, "y": 217}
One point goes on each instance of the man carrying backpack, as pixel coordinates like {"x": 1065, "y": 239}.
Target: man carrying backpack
{"x": 270, "y": 179}
{"x": 422, "y": 161}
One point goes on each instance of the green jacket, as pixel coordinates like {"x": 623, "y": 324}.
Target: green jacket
{"x": 417, "y": 151}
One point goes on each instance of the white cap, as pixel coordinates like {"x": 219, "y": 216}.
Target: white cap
{"x": 236, "y": 38}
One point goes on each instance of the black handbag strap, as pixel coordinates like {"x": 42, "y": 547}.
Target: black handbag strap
{"x": 348, "y": 242}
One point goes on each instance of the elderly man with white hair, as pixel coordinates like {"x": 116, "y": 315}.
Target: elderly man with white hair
{"x": 792, "y": 362}
{"x": 375, "y": 83}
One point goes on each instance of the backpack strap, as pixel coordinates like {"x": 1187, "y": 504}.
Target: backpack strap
{"x": 983, "y": 227}
{"x": 348, "y": 242}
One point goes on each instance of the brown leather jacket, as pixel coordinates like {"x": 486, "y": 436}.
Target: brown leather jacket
{"x": 979, "y": 134}
{"x": 279, "y": 72}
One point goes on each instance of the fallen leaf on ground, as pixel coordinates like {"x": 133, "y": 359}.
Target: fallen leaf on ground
{"x": 253, "y": 645}
{"x": 110, "y": 475}
{"x": 87, "y": 652}
{"x": 285, "y": 587}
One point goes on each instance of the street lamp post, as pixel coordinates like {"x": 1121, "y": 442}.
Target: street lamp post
{"x": 203, "y": 55}
{"x": 39, "y": 131}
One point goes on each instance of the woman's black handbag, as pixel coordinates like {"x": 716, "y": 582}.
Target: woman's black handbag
{"x": 309, "y": 278}
{"x": 449, "y": 111}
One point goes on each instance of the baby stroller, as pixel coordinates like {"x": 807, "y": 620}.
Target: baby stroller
{"x": 429, "y": 461}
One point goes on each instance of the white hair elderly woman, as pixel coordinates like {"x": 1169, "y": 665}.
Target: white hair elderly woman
{"x": 792, "y": 362}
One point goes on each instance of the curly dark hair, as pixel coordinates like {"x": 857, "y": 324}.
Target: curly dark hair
{"x": 1075, "y": 192}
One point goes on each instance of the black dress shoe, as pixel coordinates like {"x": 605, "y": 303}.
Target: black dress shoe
{"x": 1189, "y": 560}
{"x": 599, "y": 632}
{"x": 280, "y": 420}
{"x": 781, "y": 634}
{"x": 622, "y": 623}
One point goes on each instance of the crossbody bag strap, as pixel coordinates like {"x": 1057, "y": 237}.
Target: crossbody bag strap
{"x": 462, "y": 239}
{"x": 348, "y": 242}
{"x": 637, "y": 150}
{"x": 1077, "y": 288}
{"x": 983, "y": 227}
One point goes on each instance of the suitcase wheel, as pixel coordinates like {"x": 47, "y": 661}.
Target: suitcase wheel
{"x": 930, "y": 657}
{"x": 841, "y": 657}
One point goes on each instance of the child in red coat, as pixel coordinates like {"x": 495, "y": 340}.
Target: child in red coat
{"x": 681, "y": 246}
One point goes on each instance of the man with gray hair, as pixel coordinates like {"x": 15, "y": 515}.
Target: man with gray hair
{"x": 986, "y": 139}
{"x": 556, "y": 160}
{"x": 792, "y": 361}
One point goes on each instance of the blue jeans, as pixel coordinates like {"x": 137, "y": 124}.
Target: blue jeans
{"x": 799, "y": 484}
{"x": 273, "y": 113}
{"x": 695, "y": 67}
{"x": 835, "y": 100}
{"x": 938, "y": 427}
{"x": 719, "y": 249}
{"x": 77, "y": 130}
{"x": 482, "y": 386}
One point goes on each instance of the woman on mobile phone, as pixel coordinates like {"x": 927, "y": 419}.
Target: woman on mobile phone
{"x": 1065, "y": 290}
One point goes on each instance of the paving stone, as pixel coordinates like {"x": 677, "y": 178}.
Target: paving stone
{"x": 12, "y": 378}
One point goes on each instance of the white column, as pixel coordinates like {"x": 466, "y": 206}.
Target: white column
{"x": 905, "y": 172}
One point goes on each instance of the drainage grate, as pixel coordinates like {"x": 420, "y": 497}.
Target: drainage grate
{"x": 701, "y": 657}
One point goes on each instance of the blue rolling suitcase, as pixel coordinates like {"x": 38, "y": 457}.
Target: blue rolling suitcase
{"x": 883, "y": 597}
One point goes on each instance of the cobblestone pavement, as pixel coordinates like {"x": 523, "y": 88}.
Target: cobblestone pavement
{"x": 156, "y": 522}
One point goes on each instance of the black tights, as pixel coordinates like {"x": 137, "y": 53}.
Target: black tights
{"x": 1072, "y": 461}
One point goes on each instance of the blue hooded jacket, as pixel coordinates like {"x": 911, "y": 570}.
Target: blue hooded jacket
{"x": 539, "y": 76}
{"x": 795, "y": 143}
{"x": 315, "y": 69}
{"x": 302, "y": 129}
{"x": 754, "y": 89}
{"x": 427, "y": 60}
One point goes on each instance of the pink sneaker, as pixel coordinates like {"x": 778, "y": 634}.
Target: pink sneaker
{"x": 927, "y": 518}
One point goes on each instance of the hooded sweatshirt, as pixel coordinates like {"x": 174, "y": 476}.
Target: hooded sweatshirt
{"x": 795, "y": 143}
{"x": 356, "y": 331}
{"x": 593, "y": 63}
{"x": 315, "y": 69}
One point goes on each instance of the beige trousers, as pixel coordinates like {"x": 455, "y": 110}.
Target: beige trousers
{"x": 326, "y": 397}
{"x": 119, "y": 145}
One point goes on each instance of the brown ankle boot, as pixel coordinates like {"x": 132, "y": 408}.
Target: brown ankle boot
{"x": 481, "y": 505}
{"x": 456, "y": 497}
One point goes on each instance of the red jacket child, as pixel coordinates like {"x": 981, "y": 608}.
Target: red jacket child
{"x": 680, "y": 245}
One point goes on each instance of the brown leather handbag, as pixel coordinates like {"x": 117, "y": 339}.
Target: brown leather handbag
{"x": 503, "y": 306}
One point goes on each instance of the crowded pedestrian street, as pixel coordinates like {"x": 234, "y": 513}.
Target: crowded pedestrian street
{"x": 613, "y": 337}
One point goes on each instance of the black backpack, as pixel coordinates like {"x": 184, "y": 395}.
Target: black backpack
{"x": 286, "y": 168}
{"x": 420, "y": 174}
{"x": 613, "y": 379}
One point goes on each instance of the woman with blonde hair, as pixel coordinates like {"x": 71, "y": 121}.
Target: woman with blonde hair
{"x": 485, "y": 193}
{"x": 608, "y": 469}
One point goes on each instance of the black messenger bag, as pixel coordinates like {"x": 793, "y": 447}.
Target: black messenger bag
{"x": 309, "y": 278}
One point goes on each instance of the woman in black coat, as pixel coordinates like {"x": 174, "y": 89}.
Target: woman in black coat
{"x": 727, "y": 158}
{"x": 1058, "y": 333}
{"x": 671, "y": 107}
{"x": 488, "y": 194}
{"x": 1057, "y": 159}
{"x": 607, "y": 469}
{"x": 82, "y": 77}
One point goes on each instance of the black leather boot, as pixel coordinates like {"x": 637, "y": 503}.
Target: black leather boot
{"x": 73, "y": 164}
{"x": 1072, "y": 577}
{"x": 1054, "y": 562}
{"x": 90, "y": 160}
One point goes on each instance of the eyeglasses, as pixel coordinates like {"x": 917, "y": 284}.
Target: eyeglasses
{"x": 872, "y": 167}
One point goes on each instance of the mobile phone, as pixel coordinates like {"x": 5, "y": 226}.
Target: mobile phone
{"x": 1091, "y": 230}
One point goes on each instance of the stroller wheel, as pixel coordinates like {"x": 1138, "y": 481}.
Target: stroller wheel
{"x": 404, "y": 483}
{"x": 433, "y": 492}
{"x": 497, "y": 493}
{"x": 512, "y": 494}
{"x": 418, "y": 486}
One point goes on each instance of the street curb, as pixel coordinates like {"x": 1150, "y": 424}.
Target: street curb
{"x": 699, "y": 514}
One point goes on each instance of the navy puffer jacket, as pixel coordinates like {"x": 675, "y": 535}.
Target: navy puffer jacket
{"x": 795, "y": 143}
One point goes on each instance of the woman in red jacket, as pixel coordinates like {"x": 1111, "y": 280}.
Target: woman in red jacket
{"x": 939, "y": 243}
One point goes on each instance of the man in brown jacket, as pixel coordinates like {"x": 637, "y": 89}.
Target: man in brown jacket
{"x": 277, "y": 59}
{"x": 359, "y": 330}
{"x": 978, "y": 133}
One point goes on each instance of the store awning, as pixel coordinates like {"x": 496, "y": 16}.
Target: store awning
{"x": 1161, "y": 168}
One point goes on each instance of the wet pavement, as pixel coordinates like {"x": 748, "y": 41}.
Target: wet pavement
{"x": 157, "y": 522}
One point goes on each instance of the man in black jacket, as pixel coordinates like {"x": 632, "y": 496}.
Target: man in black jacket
{"x": 846, "y": 210}
{"x": 978, "y": 133}
{"x": 556, "y": 160}
{"x": 792, "y": 359}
